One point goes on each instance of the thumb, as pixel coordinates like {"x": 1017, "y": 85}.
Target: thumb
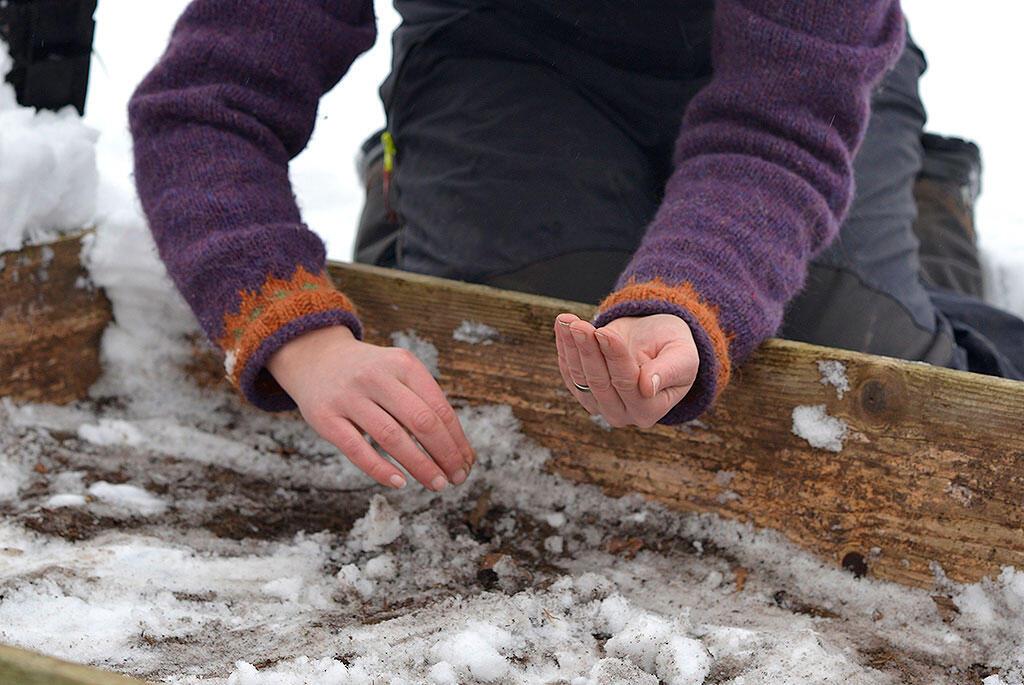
{"x": 672, "y": 372}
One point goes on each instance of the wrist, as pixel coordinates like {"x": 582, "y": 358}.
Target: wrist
{"x": 297, "y": 352}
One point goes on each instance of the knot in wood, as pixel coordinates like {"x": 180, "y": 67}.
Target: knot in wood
{"x": 875, "y": 397}
{"x": 882, "y": 397}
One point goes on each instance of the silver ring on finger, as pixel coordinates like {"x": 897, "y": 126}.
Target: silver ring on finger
{"x": 581, "y": 388}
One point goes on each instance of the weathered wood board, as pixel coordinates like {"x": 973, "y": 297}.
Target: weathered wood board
{"x": 51, "y": 320}
{"x": 932, "y": 468}
{"x": 21, "y": 667}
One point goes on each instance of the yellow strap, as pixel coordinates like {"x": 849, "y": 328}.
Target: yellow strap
{"x": 389, "y": 151}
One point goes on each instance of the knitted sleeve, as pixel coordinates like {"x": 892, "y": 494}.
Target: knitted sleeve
{"x": 762, "y": 174}
{"x": 230, "y": 103}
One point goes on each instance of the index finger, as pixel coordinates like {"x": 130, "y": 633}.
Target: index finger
{"x": 623, "y": 369}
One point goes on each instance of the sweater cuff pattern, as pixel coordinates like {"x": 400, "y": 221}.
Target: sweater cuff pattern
{"x": 262, "y": 317}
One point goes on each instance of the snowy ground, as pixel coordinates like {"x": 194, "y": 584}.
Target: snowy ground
{"x": 165, "y": 530}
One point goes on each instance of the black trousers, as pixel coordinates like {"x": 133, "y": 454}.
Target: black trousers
{"x": 531, "y": 157}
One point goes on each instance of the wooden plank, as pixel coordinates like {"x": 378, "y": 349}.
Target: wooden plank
{"x": 50, "y": 323}
{"x": 932, "y": 468}
{"x": 22, "y": 667}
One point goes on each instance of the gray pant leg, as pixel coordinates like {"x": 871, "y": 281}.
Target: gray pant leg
{"x": 864, "y": 292}
{"x": 549, "y": 198}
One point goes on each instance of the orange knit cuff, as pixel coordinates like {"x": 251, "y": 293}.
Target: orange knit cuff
{"x": 685, "y": 297}
{"x": 278, "y": 303}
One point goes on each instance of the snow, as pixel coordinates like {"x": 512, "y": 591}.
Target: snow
{"x": 813, "y": 424}
{"x": 612, "y": 670}
{"x": 380, "y": 526}
{"x": 443, "y": 673}
{"x": 475, "y": 333}
{"x": 169, "y": 531}
{"x": 554, "y": 544}
{"x": 301, "y": 671}
{"x": 351, "y": 578}
{"x": 640, "y": 640}
{"x": 424, "y": 350}
{"x": 128, "y": 498}
{"x": 285, "y": 589}
{"x": 66, "y": 500}
{"x": 381, "y": 568}
{"x": 476, "y": 652}
{"x": 110, "y": 432}
{"x": 683, "y": 661}
{"x": 555, "y": 519}
{"x": 48, "y": 179}
{"x": 14, "y": 475}
{"x": 833, "y": 373}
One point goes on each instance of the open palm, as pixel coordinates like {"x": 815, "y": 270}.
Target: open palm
{"x": 631, "y": 371}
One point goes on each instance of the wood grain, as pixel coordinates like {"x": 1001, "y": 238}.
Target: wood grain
{"x": 51, "y": 320}
{"x": 932, "y": 468}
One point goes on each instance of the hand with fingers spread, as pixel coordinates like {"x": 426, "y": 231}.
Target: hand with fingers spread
{"x": 345, "y": 387}
{"x": 631, "y": 371}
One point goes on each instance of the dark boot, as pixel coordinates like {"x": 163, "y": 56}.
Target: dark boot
{"x": 945, "y": 192}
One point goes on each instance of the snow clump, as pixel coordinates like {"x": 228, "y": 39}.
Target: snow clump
{"x": 659, "y": 647}
{"x": 476, "y": 652}
{"x": 833, "y": 373}
{"x": 127, "y": 498}
{"x": 14, "y": 475}
{"x": 286, "y": 589}
{"x": 111, "y": 432}
{"x": 475, "y": 333}
{"x": 300, "y": 671}
{"x": 380, "y": 526}
{"x": 65, "y": 500}
{"x": 814, "y": 425}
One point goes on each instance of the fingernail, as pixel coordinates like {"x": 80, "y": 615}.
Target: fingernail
{"x": 397, "y": 481}
{"x": 602, "y": 340}
{"x": 563, "y": 323}
{"x": 438, "y": 483}
{"x": 656, "y": 381}
{"x": 579, "y": 335}
{"x": 459, "y": 476}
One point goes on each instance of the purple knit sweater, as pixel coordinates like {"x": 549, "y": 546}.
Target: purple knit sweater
{"x": 762, "y": 175}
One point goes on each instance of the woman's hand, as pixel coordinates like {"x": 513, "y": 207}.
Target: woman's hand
{"x": 635, "y": 368}
{"x": 345, "y": 387}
